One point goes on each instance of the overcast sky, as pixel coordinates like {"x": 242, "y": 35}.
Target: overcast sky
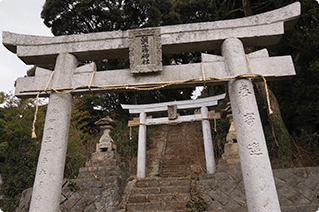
{"x": 23, "y": 17}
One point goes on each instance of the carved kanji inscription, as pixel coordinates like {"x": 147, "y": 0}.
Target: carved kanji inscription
{"x": 45, "y": 160}
{"x": 38, "y": 198}
{"x": 249, "y": 118}
{"x": 254, "y": 149}
{"x": 145, "y": 51}
{"x": 54, "y": 111}
{"x": 244, "y": 90}
{"x": 42, "y": 172}
{"x": 41, "y": 184}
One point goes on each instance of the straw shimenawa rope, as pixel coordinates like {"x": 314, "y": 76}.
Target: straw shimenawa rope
{"x": 136, "y": 86}
{"x": 266, "y": 86}
{"x": 34, "y": 135}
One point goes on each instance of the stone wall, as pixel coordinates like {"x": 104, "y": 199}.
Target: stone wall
{"x": 298, "y": 189}
{"x": 98, "y": 187}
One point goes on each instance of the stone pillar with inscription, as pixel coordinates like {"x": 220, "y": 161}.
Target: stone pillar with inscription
{"x": 258, "y": 178}
{"x": 49, "y": 175}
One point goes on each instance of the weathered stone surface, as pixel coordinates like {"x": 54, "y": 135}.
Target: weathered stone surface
{"x": 292, "y": 197}
{"x": 94, "y": 189}
{"x": 106, "y": 143}
{"x": 106, "y": 121}
{"x": 25, "y": 200}
{"x": 163, "y": 194}
{"x": 145, "y": 50}
{"x": 208, "y": 142}
{"x": 263, "y": 29}
{"x": 180, "y": 105}
{"x": 172, "y": 118}
{"x": 91, "y": 191}
{"x": 118, "y": 78}
{"x": 50, "y": 168}
{"x": 258, "y": 179}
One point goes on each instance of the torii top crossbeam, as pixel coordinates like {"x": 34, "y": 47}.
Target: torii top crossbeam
{"x": 263, "y": 29}
{"x": 259, "y": 30}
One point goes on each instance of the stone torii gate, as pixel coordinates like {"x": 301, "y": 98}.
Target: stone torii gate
{"x": 172, "y": 118}
{"x": 145, "y": 48}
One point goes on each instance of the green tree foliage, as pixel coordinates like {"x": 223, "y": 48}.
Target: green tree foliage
{"x": 18, "y": 152}
{"x": 298, "y": 97}
{"x": 73, "y": 16}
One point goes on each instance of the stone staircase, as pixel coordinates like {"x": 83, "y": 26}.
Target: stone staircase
{"x": 183, "y": 152}
{"x": 172, "y": 190}
{"x": 172, "y": 165}
{"x": 158, "y": 194}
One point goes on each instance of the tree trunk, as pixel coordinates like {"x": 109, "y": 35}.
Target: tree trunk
{"x": 280, "y": 133}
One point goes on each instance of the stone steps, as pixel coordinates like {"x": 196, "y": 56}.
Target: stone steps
{"x": 174, "y": 170}
{"x": 159, "y": 182}
{"x": 159, "y": 194}
{"x": 174, "y": 164}
{"x": 157, "y": 206}
{"x": 173, "y": 174}
{"x": 158, "y": 197}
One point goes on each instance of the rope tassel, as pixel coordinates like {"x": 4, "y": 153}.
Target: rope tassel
{"x": 266, "y": 86}
{"x": 34, "y": 135}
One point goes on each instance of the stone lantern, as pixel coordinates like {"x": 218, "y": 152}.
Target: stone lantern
{"x": 106, "y": 143}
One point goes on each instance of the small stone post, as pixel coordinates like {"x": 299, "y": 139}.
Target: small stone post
{"x": 106, "y": 143}
{"x": 141, "y": 154}
{"x": 258, "y": 177}
{"x": 208, "y": 144}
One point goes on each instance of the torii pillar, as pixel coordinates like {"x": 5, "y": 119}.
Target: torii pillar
{"x": 48, "y": 179}
{"x": 260, "y": 189}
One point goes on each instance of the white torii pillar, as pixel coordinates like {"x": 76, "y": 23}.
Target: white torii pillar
{"x": 141, "y": 152}
{"x": 208, "y": 141}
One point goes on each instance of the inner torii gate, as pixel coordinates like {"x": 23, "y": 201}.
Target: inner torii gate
{"x": 204, "y": 117}
{"x": 145, "y": 48}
